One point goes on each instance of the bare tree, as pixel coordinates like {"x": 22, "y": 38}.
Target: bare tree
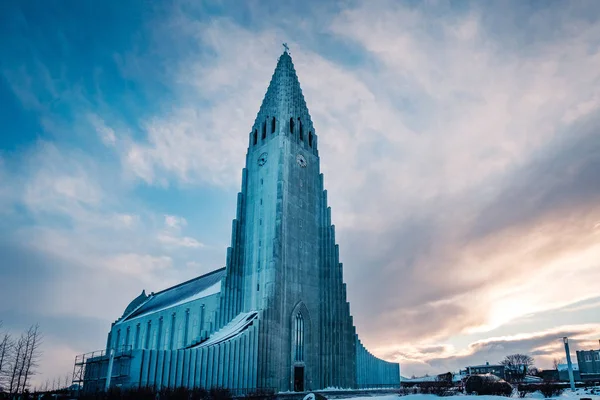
{"x": 17, "y": 359}
{"x": 6, "y": 347}
{"x": 25, "y": 357}
{"x": 67, "y": 380}
{"x": 47, "y": 385}
{"x": 556, "y": 362}
{"x": 34, "y": 339}
{"x": 517, "y": 366}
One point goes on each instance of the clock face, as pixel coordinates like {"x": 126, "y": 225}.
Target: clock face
{"x": 262, "y": 159}
{"x": 301, "y": 160}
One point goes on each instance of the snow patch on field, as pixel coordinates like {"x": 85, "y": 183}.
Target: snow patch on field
{"x": 566, "y": 395}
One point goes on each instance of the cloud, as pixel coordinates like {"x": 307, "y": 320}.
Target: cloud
{"x": 106, "y": 134}
{"x": 185, "y": 241}
{"x": 544, "y": 346}
{"x": 173, "y": 221}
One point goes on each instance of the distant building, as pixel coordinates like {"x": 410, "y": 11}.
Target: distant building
{"x": 494, "y": 369}
{"x": 563, "y": 372}
{"x": 589, "y": 364}
{"x": 548, "y": 374}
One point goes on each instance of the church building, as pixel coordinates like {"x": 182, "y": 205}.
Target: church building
{"x": 276, "y": 317}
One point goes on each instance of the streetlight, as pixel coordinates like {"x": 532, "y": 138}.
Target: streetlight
{"x": 569, "y": 364}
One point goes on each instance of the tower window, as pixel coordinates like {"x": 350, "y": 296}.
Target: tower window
{"x": 255, "y": 136}
{"x": 264, "y": 130}
{"x": 273, "y": 125}
{"x": 292, "y": 126}
{"x": 309, "y": 138}
{"x": 300, "y": 128}
{"x": 299, "y": 337}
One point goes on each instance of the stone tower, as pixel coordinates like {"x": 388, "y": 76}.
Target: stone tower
{"x": 283, "y": 259}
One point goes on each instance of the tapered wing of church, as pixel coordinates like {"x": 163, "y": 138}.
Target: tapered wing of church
{"x": 276, "y": 317}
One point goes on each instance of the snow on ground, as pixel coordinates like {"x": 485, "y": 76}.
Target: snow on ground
{"x": 566, "y": 395}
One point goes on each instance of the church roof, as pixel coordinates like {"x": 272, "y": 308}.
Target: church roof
{"x": 238, "y": 325}
{"x": 284, "y": 97}
{"x": 185, "y": 292}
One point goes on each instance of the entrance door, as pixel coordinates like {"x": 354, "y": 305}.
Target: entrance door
{"x": 298, "y": 379}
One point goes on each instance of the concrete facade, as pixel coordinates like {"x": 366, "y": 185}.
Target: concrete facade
{"x": 277, "y": 316}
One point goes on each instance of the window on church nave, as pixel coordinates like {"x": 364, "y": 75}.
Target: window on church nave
{"x": 148, "y": 331}
{"x": 136, "y": 344}
{"x": 273, "y": 125}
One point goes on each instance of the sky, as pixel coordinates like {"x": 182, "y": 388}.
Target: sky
{"x": 459, "y": 141}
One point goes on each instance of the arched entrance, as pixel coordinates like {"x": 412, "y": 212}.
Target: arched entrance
{"x": 300, "y": 324}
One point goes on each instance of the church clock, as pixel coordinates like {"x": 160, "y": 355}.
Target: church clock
{"x": 262, "y": 159}
{"x": 301, "y": 160}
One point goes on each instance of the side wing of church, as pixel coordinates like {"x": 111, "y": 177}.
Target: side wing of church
{"x": 277, "y": 316}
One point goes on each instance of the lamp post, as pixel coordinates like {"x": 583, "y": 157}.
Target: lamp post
{"x": 569, "y": 364}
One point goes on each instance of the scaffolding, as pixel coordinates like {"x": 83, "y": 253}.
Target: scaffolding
{"x": 91, "y": 369}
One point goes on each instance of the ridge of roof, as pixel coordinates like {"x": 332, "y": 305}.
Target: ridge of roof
{"x": 188, "y": 281}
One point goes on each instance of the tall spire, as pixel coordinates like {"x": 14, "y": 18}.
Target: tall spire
{"x": 284, "y": 98}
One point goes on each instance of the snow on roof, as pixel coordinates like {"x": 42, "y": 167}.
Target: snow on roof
{"x": 432, "y": 378}
{"x": 485, "y": 365}
{"x": 237, "y": 325}
{"x": 565, "y": 367}
{"x": 531, "y": 378}
{"x": 185, "y": 292}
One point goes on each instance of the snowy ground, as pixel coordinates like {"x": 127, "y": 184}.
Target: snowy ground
{"x": 566, "y": 395}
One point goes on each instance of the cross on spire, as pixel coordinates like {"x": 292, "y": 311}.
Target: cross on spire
{"x": 286, "y": 48}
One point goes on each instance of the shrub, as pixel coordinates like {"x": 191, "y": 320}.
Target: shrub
{"x": 484, "y": 385}
{"x": 549, "y": 389}
{"x": 219, "y": 394}
{"x": 524, "y": 389}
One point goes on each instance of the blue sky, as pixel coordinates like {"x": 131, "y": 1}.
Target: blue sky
{"x": 459, "y": 142}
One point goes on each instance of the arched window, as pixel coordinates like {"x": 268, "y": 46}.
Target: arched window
{"x": 118, "y": 341}
{"x": 300, "y": 128}
{"x": 255, "y": 136}
{"x": 273, "y": 125}
{"x": 160, "y": 333}
{"x": 292, "y": 126}
{"x": 172, "y": 332}
{"x": 309, "y": 138}
{"x": 148, "y": 331}
{"x": 264, "y": 130}
{"x": 136, "y": 344}
{"x": 299, "y": 337}
{"x": 186, "y": 327}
